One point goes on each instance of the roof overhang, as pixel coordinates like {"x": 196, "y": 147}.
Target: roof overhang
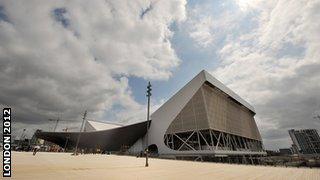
{"x": 109, "y": 140}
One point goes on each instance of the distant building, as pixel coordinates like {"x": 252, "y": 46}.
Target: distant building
{"x": 306, "y": 141}
{"x": 285, "y": 151}
{"x": 272, "y": 153}
{"x": 294, "y": 149}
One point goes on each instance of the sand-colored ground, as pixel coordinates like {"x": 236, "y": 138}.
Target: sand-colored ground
{"x": 64, "y": 166}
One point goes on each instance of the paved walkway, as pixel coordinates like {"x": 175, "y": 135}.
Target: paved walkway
{"x": 64, "y": 166}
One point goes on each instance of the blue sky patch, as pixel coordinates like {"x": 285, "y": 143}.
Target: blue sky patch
{"x": 60, "y": 16}
{"x": 3, "y": 15}
{"x": 145, "y": 11}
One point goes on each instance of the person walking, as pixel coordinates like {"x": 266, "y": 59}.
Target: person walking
{"x": 35, "y": 150}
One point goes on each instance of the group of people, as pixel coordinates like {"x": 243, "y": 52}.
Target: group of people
{"x": 81, "y": 151}
{"x": 92, "y": 151}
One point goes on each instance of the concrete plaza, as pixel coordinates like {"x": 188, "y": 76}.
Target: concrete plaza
{"x": 64, "y": 166}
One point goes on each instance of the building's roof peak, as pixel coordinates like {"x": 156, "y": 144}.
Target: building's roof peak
{"x": 190, "y": 88}
{"x": 214, "y": 81}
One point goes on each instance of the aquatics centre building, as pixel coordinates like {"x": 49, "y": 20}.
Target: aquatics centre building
{"x": 204, "y": 119}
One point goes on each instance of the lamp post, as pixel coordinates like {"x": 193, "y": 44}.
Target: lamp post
{"x": 148, "y": 119}
{"x": 65, "y": 145}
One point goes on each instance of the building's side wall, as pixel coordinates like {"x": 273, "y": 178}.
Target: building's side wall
{"x": 163, "y": 117}
{"x": 137, "y": 147}
{"x": 192, "y": 117}
{"x": 226, "y": 115}
{"x": 210, "y": 121}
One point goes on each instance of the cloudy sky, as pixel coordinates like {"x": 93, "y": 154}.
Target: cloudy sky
{"x": 58, "y": 58}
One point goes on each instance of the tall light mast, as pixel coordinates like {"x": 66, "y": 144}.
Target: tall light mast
{"x": 148, "y": 120}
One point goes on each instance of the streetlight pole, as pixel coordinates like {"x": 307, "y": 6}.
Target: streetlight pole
{"x": 65, "y": 145}
{"x": 148, "y": 119}
{"x": 83, "y": 119}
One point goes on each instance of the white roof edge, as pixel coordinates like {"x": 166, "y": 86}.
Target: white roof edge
{"x": 195, "y": 82}
{"x": 224, "y": 88}
{"x": 106, "y": 122}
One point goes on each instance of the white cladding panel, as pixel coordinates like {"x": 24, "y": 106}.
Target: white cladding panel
{"x": 99, "y": 126}
{"x": 226, "y": 90}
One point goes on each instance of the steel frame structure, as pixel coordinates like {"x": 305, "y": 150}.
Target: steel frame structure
{"x": 211, "y": 140}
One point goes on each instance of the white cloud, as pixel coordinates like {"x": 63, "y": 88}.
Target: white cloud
{"x": 207, "y": 29}
{"x": 61, "y": 57}
{"x": 202, "y": 31}
{"x": 246, "y": 5}
{"x": 276, "y": 66}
